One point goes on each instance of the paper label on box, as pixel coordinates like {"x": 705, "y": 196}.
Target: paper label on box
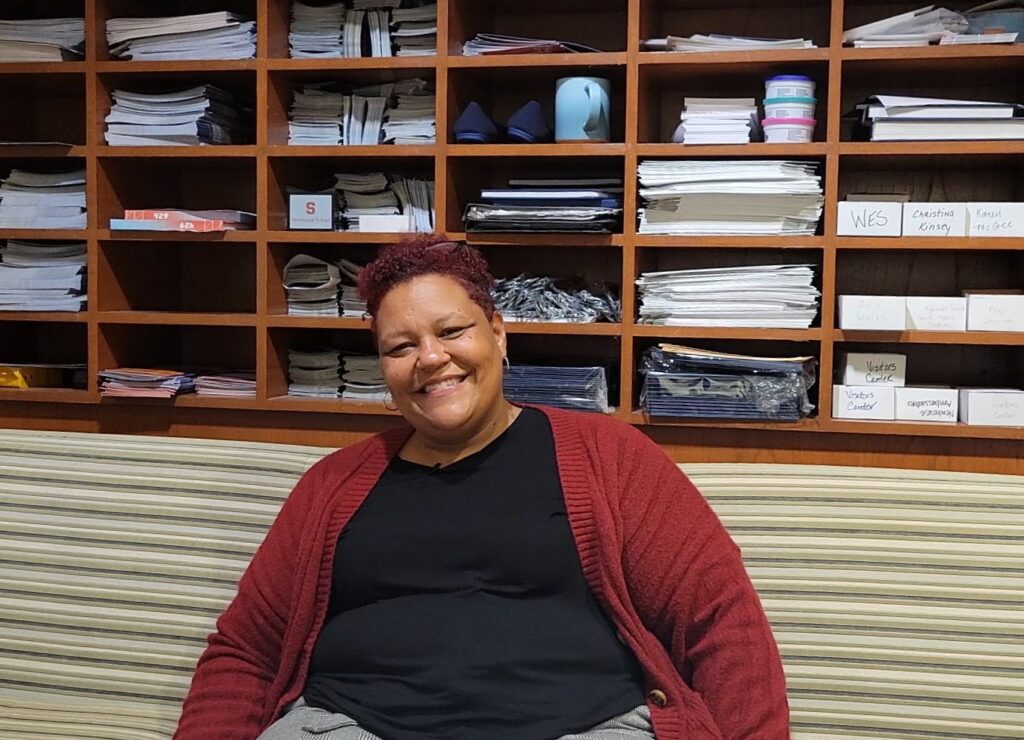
{"x": 863, "y": 402}
{"x": 995, "y": 219}
{"x": 873, "y": 312}
{"x": 875, "y": 368}
{"x": 1001, "y": 408}
{"x": 926, "y": 404}
{"x": 934, "y": 219}
{"x": 995, "y": 312}
{"x": 936, "y": 313}
{"x": 870, "y": 218}
{"x": 311, "y": 211}
{"x": 386, "y": 224}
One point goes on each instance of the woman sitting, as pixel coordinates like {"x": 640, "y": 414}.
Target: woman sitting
{"x": 486, "y": 571}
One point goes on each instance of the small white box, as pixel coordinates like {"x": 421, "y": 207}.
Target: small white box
{"x": 864, "y": 402}
{"x": 388, "y": 224}
{"x": 927, "y": 313}
{"x": 870, "y": 218}
{"x": 926, "y": 404}
{"x": 995, "y": 219}
{"x": 311, "y": 211}
{"x": 934, "y": 219}
{"x": 874, "y": 368}
{"x": 998, "y": 407}
{"x": 877, "y": 312}
{"x": 987, "y": 312}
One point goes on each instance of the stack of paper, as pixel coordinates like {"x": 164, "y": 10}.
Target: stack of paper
{"x": 761, "y": 296}
{"x": 686, "y": 382}
{"x": 42, "y": 39}
{"x": 198, "y": 115}
{"x": 961, "y": 39}
{"x": 352, "y": 306}
{"x": 316, "y": 31}
{"x": 411, "y": 118}
{"x": 144, "y": 383}
{"x": 746, "y": 196}
{"x": 536, "y": 298}
{"x": 549, "y": 205}
{"x": 40, "y": 278}
{"x": 897, "y": 118}
{"x": 723, "y": 42}
{"x": 365, "y": 197}
{"x": 717, "y": 121}
{"x": 392, "y": 112}
{"x": 237, "y": 384}
{"x": 414, "y": 30}
{"x": 362, "y": 379}
{"x": 42, "y": 200}
{"x": 176, "y": 219}
{"x": 314, "y": 373}
{"x": 497, "y": 43}
{"x": 580, "y": 388}
{"x": 217, "y": 35}
{"x": 312, "y": 286}
{"x": 919, "y": 27}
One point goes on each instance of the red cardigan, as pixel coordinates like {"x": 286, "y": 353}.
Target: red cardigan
{"x": 653, "y": 553}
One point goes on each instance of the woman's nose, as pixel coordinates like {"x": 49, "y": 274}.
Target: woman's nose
{"x": 431, "y": 353}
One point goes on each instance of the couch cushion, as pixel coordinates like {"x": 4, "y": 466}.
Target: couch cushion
{"x": 895, "y": 595}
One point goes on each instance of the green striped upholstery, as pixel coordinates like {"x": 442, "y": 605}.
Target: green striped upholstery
{"x": 896, "y": 596}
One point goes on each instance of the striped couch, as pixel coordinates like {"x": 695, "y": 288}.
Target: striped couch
{"x": 896, "y": 596}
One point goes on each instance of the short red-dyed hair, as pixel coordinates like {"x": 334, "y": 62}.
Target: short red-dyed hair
{"x": 427, "y": 254}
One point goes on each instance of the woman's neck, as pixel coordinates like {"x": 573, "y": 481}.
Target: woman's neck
{"x": 425, "y": 449}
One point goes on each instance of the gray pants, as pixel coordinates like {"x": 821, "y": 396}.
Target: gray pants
{"x": 303, "y": 722}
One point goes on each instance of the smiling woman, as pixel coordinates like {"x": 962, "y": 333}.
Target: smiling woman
{"x": 488, "y": 570}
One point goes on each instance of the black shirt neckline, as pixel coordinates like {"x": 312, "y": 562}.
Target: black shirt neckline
{"x": 401, "y": 465}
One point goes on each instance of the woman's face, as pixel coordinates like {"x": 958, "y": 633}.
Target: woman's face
{"x": 441, "y": 357}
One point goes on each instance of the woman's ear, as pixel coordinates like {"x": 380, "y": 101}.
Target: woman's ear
{"x": 498, "y": 327}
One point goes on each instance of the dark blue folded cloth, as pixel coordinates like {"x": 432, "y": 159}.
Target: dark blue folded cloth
{"x": 527, "y": 125}
{"x": 473, "y": 126}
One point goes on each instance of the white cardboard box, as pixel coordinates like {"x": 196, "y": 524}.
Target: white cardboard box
{"x": 864, "y": 402}
{"x": 870, "y": 218}
{"x": 311, "y": 211}
{"x": 926, "y": 404}
{"x": 878, "y": 312}
{"x": 934, "y": 219}
{"x": 874, "y": 368}
{"x": 988, "y": 312}
{"x": 999, "y": 407}
{"x": 995, "y": 219}
{"x": 928, "y": 313}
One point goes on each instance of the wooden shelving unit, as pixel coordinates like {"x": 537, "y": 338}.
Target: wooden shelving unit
{"x": 164, "y": 298}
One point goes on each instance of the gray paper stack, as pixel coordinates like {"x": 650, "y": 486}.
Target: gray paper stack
{"x": 415, "y": 30}
{"x": 41, "y": 39}
{"x": 198, "y": 115}
{"x": 312, "y": 286}
{"x": 314, "y": 373}
{"x": 217, "y": 35}
{"x": 315, "y": 31}
{"x": 362, "y": 380}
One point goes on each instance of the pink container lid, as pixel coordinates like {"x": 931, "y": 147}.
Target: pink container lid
{"x": 788, "y": 122}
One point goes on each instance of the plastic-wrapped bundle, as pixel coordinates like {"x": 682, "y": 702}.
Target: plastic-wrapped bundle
{"x": 692, "y": 383}
{"x": 580, "y": 388}
{"x": 525, "y": 298}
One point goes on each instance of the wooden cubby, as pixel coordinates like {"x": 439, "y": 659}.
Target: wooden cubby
{"x": 217, "y": 299}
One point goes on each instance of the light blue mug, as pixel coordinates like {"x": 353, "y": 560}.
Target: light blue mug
{"x": 582, "y": 109}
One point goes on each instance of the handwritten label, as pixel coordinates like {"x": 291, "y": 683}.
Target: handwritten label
{"x": 934, "y": 219}
{"x": 926, "y": 404}
{"x": 936, "y": 313}
{"x": 870, "y": 218}
{"x": 860, "y": 402}
{"x": 878, "y": 312}
{"x": 869, "y": 369}
{"x": 992, "y": 407}
{"x": 995, "y": 219}
{"x": 995, "y": 312}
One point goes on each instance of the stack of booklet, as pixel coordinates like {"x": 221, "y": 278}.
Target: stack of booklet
{"x": 352, "y": 306}
{"x": 497, "y": 43}
{"x": 231, "y": 384}
{"x": 686, "y": 382}
{"x": 42, "y": 39}
{"x": 535, "y": 298}
{"x": 399, "y": 112}
{"x": 316, "y": 30}
{"x": 205, "y": 114}
{"x": 580, "y": 388}
{"x": 42, "y": 276}
{"x": 919, "y": 27}
{"x": 744, "y": 196}
{"x": 361, "y": 378}
{"x": 42, "y": 200}
{"x": 760, "y": 296}
{"x": 312, "y": 286}
{"x": 132, "y": 382}
{"x": 375, "y": 202}
{"x": 717, "y": 121}
{"x": 900, "y": 118}
{"x": 415, "y": 30}
{"x": 176, "y": 219}
{"x": 314, "y": 373}
{"x": 217, "y": 35}
{"x": 549, "y": 205}
{"x": 722, "y": 42}
{"x": 370, "y": 28}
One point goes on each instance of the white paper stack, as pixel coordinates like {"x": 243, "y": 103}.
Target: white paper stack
{"x": 361, "y": 378}
{"x": 414, "y": 30}
{"x": 919, "y": 27}
{"x": 43, "y": 200}
{"x": 314, "y": 373}
{"x": 39, "y": 276}
{"x": 900, "y": 118}
{"x": 759, "y": 296}
{"x": 235, "y": 384}
{"x": 217, "y": 35}
{"x": 316, "y": 31}
{"x": 724, "y": 42}
{"x": 41, "y": 39}
{"x": 694, "y": 197}
{"x": 199, "y": 115}
{"x": 716, "y": 121}
{"x": 312, "y": 286}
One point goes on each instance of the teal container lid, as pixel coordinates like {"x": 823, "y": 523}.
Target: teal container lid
{"x": 800, "y": 101}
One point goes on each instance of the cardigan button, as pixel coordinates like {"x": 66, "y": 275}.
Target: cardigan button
{"x": 657, "y": 697}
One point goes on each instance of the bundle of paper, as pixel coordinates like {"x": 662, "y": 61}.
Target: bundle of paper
{"x": 725, "y": 42}
{"x": 42, "y": 288}
{"x": 42, "y": 39}
{"x": 899, "y": 118}
{"x": 362, "y": 379}
{"x": 314, "y": 373}
{"x": 919, "y": 27}
{"x": 206, "y": 114}
{"x": 399, "y": 112}
{"x": 580, "y": 388}
{"x": 229, "y": 384}
{"x": 549, "y": 204}
{"x": 316, "y": 31}
{"x": 378, "y": 202}
{"x": 496, "y": 43}
{"x": 145, "y": 382}
{"x": 312, "y": 286}
{"x": 177, "y": 219}
{"x": 415, "y": 30}
{"x": 216, "y": 35}
{"x": 761, "y": 296}
{"x": 717, "y": 121}
{"x": 42, "y": 200}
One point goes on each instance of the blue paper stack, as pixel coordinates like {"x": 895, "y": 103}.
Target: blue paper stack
{"x": 580, "y": 388}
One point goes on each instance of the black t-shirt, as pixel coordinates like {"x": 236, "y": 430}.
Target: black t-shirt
{"x": 458, "y": 607}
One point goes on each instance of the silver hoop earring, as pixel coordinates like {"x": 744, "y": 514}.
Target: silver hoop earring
{"x": 505, "y": 363}
{"x": 388, "y": 398}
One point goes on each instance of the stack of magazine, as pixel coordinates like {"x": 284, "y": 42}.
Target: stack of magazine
{"x": 216, "y": 35}
{"x": 582, "y": 204}
{"x": 371, "y": 28}
{"x": 404, "y": 204}
{"x": 131, "y": 382}
{"x": 205, "y": 114}
{"x": 687, "y": 382}
{"x": 399, "y": 112}
{"x": 361, "y": 378}
{"x": 42, "y": 276}
{"x": 900, "y": 118}
{"x": 229, "y": 384}
{"x": 580, "y": 388}
{"x": 42, "y": 200}
{"x": 314, "y": 373}
{"x": 42, "y": 39}
{"x": 312, "y": 286}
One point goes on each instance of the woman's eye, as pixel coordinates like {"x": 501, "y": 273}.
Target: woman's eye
{"x": 398, "y": 349}
{"x": 453, "y": 331}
